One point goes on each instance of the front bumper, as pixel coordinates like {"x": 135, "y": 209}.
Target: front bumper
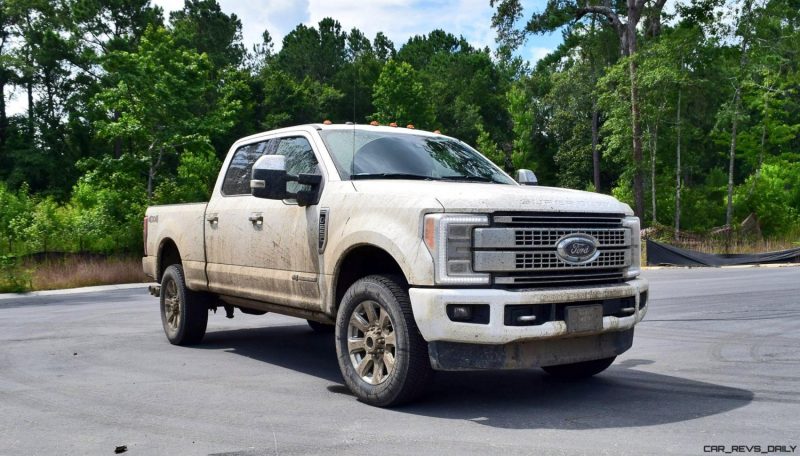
{"x": 429, "y": 306}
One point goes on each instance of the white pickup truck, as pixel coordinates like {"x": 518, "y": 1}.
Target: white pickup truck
{"x": 415, "y": 249}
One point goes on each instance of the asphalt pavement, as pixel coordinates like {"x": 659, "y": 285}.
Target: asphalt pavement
{"x": 715, "y": 366}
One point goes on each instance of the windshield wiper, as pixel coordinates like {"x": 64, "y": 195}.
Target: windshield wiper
{"x": 390, "y": 176}
{"x": 469, "y": 179}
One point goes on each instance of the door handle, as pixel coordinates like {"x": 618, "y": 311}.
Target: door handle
{"x": 212, "y": 219}
{"x": 256, "y": 219}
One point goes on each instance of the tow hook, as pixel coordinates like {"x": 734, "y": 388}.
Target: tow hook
{"x": 154, "y": 290}
{"x": 228, "y": 311}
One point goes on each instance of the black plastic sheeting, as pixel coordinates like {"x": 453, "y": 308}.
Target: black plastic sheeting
{"x": 665, "y": 254}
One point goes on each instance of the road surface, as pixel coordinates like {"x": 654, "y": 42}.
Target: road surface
{"x": 715, "y": 364}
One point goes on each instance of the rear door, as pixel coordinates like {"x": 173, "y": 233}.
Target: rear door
{"x": 227, "y": 227}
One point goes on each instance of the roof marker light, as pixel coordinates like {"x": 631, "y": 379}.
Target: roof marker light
{"x": 374, "y": 123}
{"x": 326, "y": 122}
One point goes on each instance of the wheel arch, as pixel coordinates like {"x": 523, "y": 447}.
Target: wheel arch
{"x": 362, "y": 260}
{"x": 168, "y": 254}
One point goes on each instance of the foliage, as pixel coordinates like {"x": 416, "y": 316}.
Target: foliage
{"x": 124, "y": 107}
{"x": 400, "y": 97}
{"x": 13, "y": 277}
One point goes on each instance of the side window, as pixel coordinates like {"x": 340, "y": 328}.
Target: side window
{"x": 237, "y": 178}
{"x": 300, "y": 159}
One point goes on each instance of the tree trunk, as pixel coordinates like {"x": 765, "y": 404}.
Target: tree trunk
{"x": 595, "y": 120}
{"x": 732, "y": 159}
{"x": 30, "y": 107}
{"x": 638, "y": 180}
{"x": 117, "y": 141}
{"x": 3, "y": 118}
{"x": 595, "y": 150}
{"x": 678, "y": 170}
{"x": 737, "y": 95}
{"x": 653, "y": 149}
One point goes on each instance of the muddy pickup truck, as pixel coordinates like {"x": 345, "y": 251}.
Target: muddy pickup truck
{"x": 414, "y": 249}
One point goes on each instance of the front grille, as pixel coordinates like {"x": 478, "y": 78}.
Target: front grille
{"x": 520, "y": 249}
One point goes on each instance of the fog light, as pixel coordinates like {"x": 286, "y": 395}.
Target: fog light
{"x": 462, "y": 313}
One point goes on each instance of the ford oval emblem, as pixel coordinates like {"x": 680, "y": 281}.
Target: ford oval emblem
{"x": 577, "y": 248}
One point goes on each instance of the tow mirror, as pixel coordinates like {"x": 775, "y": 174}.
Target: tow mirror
{"x": 526, "y": 177}
{"x": 269, "y": 178}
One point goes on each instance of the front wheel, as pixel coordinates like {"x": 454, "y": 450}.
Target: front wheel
{"x": 580, "y": 370}
{"x": 184, "y": 315}
{"x": 382, "y": 356}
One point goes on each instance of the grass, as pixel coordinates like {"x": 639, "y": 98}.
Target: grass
{"x": 71, "y": 271}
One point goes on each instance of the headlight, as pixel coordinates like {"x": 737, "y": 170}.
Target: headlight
{"x": 449, "y": 239}
{"x": 632, "y": 223}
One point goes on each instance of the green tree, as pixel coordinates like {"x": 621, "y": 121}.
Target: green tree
{"x": 162, "y": 100}
{"x": 622, "y": 17}
{"x": 400, "y": 97}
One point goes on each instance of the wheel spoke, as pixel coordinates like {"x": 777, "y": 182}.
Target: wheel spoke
{"x": 363, "y": 366}
{"x": 359, "y": 322}
{"x": 355, "y": 344}
{"x": 377, "y": 371}
{"x": 369, "y": 309}
{"x": 389, "y": 339}
{"x": 388, "y": 361}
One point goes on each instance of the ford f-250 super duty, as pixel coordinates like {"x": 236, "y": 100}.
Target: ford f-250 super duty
{"x": 418, "y": 252}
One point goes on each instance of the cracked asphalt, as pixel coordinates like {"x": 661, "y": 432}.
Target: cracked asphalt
{"x": 715, "y": 363}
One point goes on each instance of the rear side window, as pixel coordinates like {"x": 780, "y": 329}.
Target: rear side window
{"x": 237, "y": 178}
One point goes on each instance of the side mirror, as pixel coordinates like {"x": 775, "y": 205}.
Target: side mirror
{"x": 269, "y": 178}
{"x": 526, "y": 177}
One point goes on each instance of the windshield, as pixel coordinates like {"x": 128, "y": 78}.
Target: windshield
{"x": 360, "y": 154}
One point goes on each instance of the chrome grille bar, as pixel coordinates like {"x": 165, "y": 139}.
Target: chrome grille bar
{"x": 506, "y": 261}
{"x": 499, "y": 238}
{"x": 577, "y": 220}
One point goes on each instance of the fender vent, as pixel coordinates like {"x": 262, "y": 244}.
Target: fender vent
{"x": 323, "y": 228}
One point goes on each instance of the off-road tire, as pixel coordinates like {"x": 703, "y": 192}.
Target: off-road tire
{"x": 576, "y": 371}
{"x": 192, "y": 316}
{"x": 411, "y": 372}
{"x": 321, "y": 328}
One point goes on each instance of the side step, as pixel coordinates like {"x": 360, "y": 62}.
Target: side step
{"x": 154, "y": 290}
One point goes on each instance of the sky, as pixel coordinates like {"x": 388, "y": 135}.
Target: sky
{"x": 397, "y": 19}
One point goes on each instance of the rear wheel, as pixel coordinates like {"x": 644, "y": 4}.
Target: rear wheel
{"x": 184, "y": 315}
{"x": 580, "y": 370}
{"x": 382, "y": 356}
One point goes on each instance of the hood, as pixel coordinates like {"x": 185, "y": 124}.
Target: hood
{"x": 485, "y": 197}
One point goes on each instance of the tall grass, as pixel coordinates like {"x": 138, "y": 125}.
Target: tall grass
{"x": 720, "y": 243}
{"x": 73, "y": 272}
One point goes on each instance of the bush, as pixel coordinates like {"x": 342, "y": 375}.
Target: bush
{"x": 13, "y": 277}
{"x": 774, "y": 197}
